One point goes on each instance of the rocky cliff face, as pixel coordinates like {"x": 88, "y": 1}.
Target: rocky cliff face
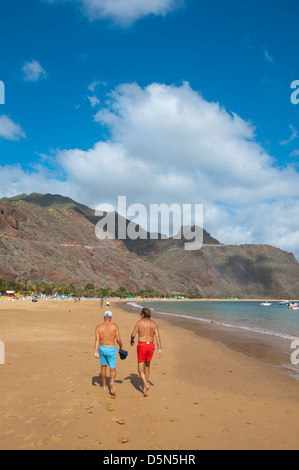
{"x": 52, "y": 239}
{"x": 238, "y": 271}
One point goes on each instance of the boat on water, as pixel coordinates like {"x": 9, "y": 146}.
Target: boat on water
{"x": 284, "y": 302}
{"x": 293, "y": 307}
{"x": 266, "y": 304}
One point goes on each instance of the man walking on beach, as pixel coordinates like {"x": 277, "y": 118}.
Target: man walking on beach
{"x": 147, "y": 330}
{"x": 105, "y": 349}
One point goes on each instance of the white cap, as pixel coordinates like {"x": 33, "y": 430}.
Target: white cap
{"x": 108, "y": 314}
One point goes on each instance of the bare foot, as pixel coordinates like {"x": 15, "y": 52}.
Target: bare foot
{"x": 104, "y": 387}
{"x": 112, "y": 389}
{"x": 145, "y": 390}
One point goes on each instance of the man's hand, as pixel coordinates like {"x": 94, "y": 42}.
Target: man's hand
{"x": 159, "y": 353}
{"x": 96, "y": 355}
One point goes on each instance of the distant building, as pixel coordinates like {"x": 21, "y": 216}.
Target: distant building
{"x": 10, "y": 293}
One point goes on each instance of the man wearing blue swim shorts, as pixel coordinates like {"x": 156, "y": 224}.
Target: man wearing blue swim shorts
{"x": 106, "y": 335}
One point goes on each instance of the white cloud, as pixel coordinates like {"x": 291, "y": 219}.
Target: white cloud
{"x": 15, "y": 180}
{"x": 167, "y": 144}
{"x": 294, "y": 153}
{"x": 95, "y": 83}
{"x": 33, "y": 71}
{"x": 293, "y": 136}
{"x": 94, "y": 101}
{"x": 124, "y": 12}
{"x": 9, "y": 130}
{"x": 267, "y": 56}
{"x": 173, "y": 130}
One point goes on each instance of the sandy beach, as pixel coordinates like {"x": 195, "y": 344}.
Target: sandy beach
{"x": 202, "y": 395}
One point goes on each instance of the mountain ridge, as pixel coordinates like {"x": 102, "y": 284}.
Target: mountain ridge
{"x": 51, "y": 238}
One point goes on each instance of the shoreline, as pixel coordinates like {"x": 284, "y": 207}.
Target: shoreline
{"x": 272, "y": 350}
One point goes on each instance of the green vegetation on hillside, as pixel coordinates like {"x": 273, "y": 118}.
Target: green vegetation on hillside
{"x": 90, "y": 290}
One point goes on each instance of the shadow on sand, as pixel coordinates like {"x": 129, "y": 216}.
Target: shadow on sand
{"x": 137, "y": 382}
{"x": 133, "y": 378}
{"x": 97, "y": 382}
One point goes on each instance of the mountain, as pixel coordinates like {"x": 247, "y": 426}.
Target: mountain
{"x": 52, "y": 238}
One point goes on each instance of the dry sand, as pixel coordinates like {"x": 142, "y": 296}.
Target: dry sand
{"x": 202, "y": 396}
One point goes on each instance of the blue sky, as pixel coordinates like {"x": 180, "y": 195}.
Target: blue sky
{"x": 163, "y": 101}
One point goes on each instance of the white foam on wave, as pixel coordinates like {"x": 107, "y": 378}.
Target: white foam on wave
{"x": 239, "y": 327}
{"x": 134, "y": 304}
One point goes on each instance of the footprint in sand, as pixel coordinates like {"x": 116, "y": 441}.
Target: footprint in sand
{"x": 89, "y": 409}
{"x": 121, "y": 421}
{"x": 123, "y": 440}
{"x": 109, "y": 407}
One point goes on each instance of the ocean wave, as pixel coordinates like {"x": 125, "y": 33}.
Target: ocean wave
{"x": 251, "y": 329}
{"x": 134, "y": 304}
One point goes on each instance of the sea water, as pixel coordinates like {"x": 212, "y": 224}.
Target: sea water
{"x": 266, "y": 333}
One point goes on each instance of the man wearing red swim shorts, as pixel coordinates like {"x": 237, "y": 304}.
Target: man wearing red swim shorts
{"x": 147, "y": 330}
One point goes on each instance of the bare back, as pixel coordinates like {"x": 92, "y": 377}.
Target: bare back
{"x": 146, "y": 329}
{"x": 107, "y": 334}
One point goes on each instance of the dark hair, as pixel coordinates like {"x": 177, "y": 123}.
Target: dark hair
{"x": 146, "y": 312}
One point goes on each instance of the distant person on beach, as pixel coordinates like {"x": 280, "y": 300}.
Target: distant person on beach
{"x": 101, "y": 303}
{"x": 147, "y": 330}
{"x": 106, "y": 335}
{"x": 108, "y": 303}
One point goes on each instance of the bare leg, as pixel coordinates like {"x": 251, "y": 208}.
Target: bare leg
{"x": 103, "y": 375}
{"x": 142, "y": 373}
{"x": 112, "y": 379}
{"x": 147, "y": 369}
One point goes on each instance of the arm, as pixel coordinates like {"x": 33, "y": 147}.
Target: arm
{"x": 134, "y": 334}
{"x": 117, "y": 337}
{"x": 97, "y": 344}
{"x": 158, "y": 341}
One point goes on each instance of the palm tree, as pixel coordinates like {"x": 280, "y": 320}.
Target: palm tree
{"x": 37, "y": 287}
{"x": 25, "y": 284}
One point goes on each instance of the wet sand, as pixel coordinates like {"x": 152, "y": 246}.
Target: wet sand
{"x": 271, "y": 350}
{"x": 201, "y": 396}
